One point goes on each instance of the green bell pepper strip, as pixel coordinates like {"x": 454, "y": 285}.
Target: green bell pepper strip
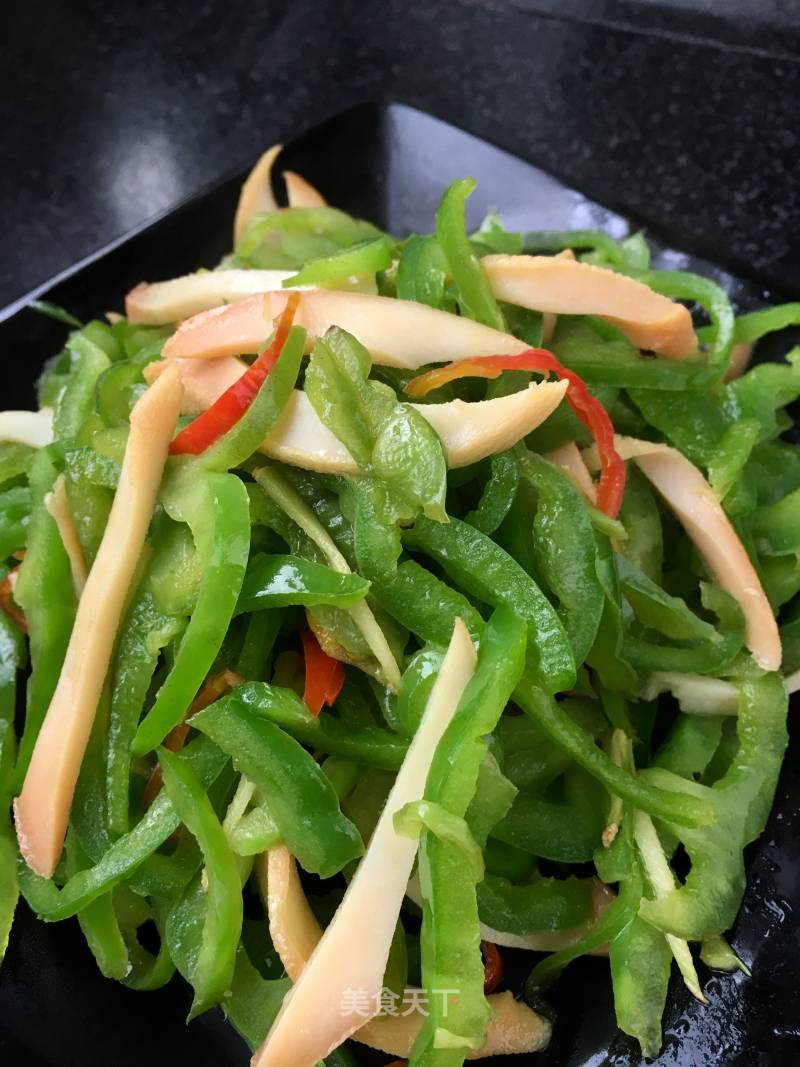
{"x": 15, "y": 460}
{"x": 282, "y": 581}
{"x": 255, "y": 655}
{"x": 415, "y": 687}
{"x": 253, "y": 1002}
{"x": 90, "y": 505}
{"x": 780, "y": 576}
{"x": 98, "y": 920}
{"x": 342, "y": 773}
{"x": 298, "y": 511}
{"x": 604, "y": 929}
{"x": 690, "y": 744}
{"x": 557, "y": 724}
{"x": 504, "y": 861}
{"x": 543, "y": 905}
{"x": 475, "y": 293}
{"x": 707, "y": 903}
{"x": 369, "y": 745}
{"x": 102, "y": 335}
{"x": 424, "y": 604}
{"x": 305, "y": 233}
{"x": 451, "y": 957}
{"x": 494, "y": 796}
{"x": 531, "y": 760}
{"x": 608, "y": 655}
{"x": 144, "y": 633}
{"x": 498, "y": 493}
{"x": 640, "y": 961}
{"x": 758, "y": 324}
{"x": 422, "y": 271}
{"x": 147, "y": 971}
{"x": 480, "y": 566}
{"x": 732, "y": 453}
{"x": 9, "y": 890}
{"x": 693, "y": 421}
{"x": 594, "y": 240}
{"x": 15, "y": 510}
{"x": 565, "y": 552}
{"x": 493, "y": 234}
{"x": 213, "y": 968}
{"x": 126, "y": 855}
{"x": 119, "y": 387}
{"x": 682, "y": 285}
{"x": 366, "y": 257}
{"x": 13, "y": 656}
{"x": 45, "y": 593}
{"x": 717, "y": 954}
{"x": 77, "y": 400}
{"x": 256, "y": 833}
{"x": 53, "y": 311}
{"x": 644, "y": 545}
{"x": 301, "y": 800}
{"x": 603, "y": 357}
{"x": 216, "y": 509}
{"x": 566, "y": 831}
{"x": 166, "y": 877}
{"x": 775, "y": 528}
{"x": 618, "y": 863}
{"x": 337, "y": 387}
{"x": 425, "y": 815}
{"x": 656, "y": 609}
{"x": 84, "y": 463}
{"x": 707, "y": 657}
{"x": 249, "y": 431}
{"x": 377, "y": 515}
{"x": 390, "y": 441}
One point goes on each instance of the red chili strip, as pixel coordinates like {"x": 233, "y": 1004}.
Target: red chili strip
{"x": 324, "y": 675}
{"x": 586, "y": 407}
{"x": 493, "y": 966}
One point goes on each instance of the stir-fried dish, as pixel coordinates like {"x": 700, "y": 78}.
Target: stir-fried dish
{"x": 392, "y": 610}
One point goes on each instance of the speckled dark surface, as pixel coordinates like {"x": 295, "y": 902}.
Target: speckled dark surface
{"x": 111, "y": 114}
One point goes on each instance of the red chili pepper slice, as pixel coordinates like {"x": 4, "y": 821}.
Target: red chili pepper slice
{"x": 493, "y": 966}
{"x": 586, "y": 407}
{"x": 7, "y": 602}
{"x": 226, "y": 411}
{"x": 324, "y": 675}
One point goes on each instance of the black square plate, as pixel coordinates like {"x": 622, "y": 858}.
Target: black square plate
{"x": 389, "y": 163}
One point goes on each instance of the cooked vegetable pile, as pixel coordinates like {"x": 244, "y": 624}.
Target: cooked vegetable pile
{"x": 385, "y": 605}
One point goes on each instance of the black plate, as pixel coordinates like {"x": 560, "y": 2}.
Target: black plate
{"x": 389, "y": 164}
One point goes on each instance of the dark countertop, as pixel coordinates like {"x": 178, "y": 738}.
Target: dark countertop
{"x": 112, "y": 114}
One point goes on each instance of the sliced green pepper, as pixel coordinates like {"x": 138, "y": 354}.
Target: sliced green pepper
{"x": 301, "y": 799}
{"x": 480, "y": 566}
{"x": 45, "y": 593}
{"x": 213, "y": 968}
{"x": 475, "y": 293}
{"x": 451, "y": 956}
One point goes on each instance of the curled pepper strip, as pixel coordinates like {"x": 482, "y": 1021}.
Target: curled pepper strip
{"x": 587, "y": 408}
{"x": 229, "y": 408}
{"x": 324, "y": 675}
{"x": 493, "y": 966}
